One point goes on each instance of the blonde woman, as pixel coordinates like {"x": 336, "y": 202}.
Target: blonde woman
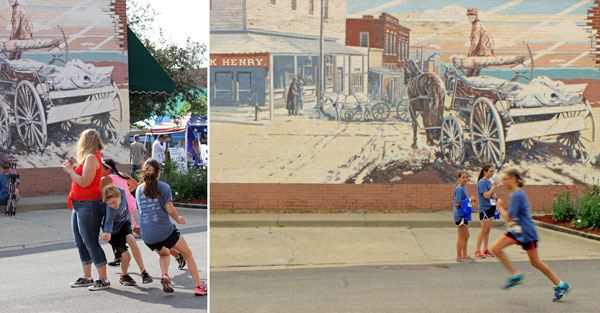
{"x": 85, "y": 199}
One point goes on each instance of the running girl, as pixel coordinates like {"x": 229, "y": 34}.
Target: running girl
{"x": 487, "y": 209}
{"x": 117, "y": 231}
{"x": 460, "y": 195}
{"x": 155, "y": 203}
{"x": 523, "y": 233}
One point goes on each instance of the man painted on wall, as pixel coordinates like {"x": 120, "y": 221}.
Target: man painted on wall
{"x": 482, "y": 43}
{"x": 21, "y": 27}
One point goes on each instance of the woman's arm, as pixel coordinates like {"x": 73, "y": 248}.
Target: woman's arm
{"x": 132, "y": 184}
{"x": 488, "y": 194}
{"x": 105, "y": 181}
{"x": 503, "y": 210}
{"x": 89, "y": 171}
{"x": 173, "y": 213}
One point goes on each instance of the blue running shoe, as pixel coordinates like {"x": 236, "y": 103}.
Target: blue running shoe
{"x": 513, "y": 280}
{"x": 560, "y": 291}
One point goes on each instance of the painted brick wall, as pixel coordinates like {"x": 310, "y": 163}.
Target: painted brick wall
{"x": 119, "y": 13}
{"x": 332, "y": 198}
{"x": 280, "y": 17}
{"x": 227, "y": 14}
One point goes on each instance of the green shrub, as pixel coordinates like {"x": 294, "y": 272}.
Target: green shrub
{"x": 588, "y": 215}
{"x": 562, "y": 207}
{"x": 189, "y": 186}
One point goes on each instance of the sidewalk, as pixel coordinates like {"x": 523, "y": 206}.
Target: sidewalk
{"x": 410, "y": 220}
{"x": 283, "y": 241}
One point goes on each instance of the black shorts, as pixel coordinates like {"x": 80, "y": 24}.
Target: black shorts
{"x": 527, "y": 246}
{"x": 461, "y": 222}
{"x": 168, "y": 243}
{"x": 487, "y": 214}
{"x": 118, "y": 241}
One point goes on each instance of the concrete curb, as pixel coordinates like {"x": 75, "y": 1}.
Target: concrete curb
{"x": 190, "y": 205}
{"x": 566, "y": 230}
{"x": 334, "y": 220}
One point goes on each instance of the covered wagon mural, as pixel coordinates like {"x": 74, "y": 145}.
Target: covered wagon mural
{"x": 62, "y": 70}
{"x": 448, "y": 86}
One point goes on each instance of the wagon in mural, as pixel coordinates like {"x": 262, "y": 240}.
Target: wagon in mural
{"x": 490, "y": 112}
{"x": 34, "y": 95}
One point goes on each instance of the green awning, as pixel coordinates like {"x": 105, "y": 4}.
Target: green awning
{"x": 145, "y": 74}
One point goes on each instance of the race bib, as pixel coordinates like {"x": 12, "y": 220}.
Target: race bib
{"x": 516, "y": 228}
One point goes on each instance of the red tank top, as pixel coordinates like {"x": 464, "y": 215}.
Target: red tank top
{"x": 92, "y": 192}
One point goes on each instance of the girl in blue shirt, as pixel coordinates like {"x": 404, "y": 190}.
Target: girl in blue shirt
{"x": 522, "y": 232}
{"x": 460, "y": 195}
{"x": 487, "y": 208}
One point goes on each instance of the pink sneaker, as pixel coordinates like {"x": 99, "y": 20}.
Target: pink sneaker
{"x": 487, "y": 252}
{"x": 166, "y": 283}
{"x": 201, "y": 290}
{"x": 479, "y": 255}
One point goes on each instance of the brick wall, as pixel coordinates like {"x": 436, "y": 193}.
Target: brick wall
{"x": 332, "y": 198}
{"x": 119, "y": 13}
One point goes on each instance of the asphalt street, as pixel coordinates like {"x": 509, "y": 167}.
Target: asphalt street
{"x": 38, "y": 261}
{"x": 448, "y": 287}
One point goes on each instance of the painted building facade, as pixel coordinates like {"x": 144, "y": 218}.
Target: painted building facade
{"x": 280, "y": 41}
{"x": 385, "y": 33}
{"x": 64, "y": 68}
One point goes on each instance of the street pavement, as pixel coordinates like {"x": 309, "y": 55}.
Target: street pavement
{"x": 437, "y": 288}
{"x": 38, "y": 261}
{"x": 409, "y": 268}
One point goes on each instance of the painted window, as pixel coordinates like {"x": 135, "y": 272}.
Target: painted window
{"x": 294, "y": 4}
{"x": 273, "y": 1}
{"x": 326, "y": 13}
{"x": 311, "y": 8}
{"x": 329, "y": 70}
{"x": 283, "y": 70}
{"x": 224, "y": 86}
{"x": 364, "y": 39}
{"x": 356, "y": 83}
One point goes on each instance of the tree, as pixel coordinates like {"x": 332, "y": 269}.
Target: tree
{"x": 182, "y": 64}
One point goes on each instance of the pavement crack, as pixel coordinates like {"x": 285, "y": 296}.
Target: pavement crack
{"x": 418, "y": 244}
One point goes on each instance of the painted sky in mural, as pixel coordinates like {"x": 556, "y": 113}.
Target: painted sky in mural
{"x": 62, "y": 71}
{"x": 531, "y": 104}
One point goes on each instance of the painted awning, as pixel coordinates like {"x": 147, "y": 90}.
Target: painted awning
{"x": 145, "y": 74}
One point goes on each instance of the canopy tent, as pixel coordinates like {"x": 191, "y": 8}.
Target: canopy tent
{"x": 179, "y": 125}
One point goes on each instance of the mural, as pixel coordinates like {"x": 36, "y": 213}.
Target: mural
{"x": 509, "y": 83}
{"x": 61, "y": 71}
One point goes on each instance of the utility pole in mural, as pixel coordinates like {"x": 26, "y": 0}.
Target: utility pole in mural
{"x": 48, "y": 95}
{"x": 406, "y": 92}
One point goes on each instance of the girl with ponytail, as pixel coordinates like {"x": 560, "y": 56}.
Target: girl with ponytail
{"x": 487, "y": 208}
{"x": 155, "y": 204}
{"x": 523, "y": 233}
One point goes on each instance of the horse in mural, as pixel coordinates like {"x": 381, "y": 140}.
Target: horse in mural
{"x": 426, "y": 96}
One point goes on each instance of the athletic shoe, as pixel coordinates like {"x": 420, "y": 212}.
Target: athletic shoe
{"x": 487, "y": 252}
{"x": 126, "y": 280}
{"x": 513, "y": 280}
{"x": 115, "y": 262}
{"x": 461, "y": 260}
{"x": 469, "y": 259}
{"x": 479, "y": 255}
{"x": 560, "y": 291}
{"x": 146, "y": 278}
{"x": 181, "y": 262}
{"x": 201, "y": 290}
{"x": 99, "y": 284}
{"x": 166, "y": 283}
{"x": 82, "y": 282}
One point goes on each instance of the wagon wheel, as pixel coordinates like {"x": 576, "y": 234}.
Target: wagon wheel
{"x": 380, "y": 111}
{"x": 4, "y": 128}
{"x": 487, "y": 133}
{"x": 580, "y": 145}
{"x": 109, "y": 123}
{"x": 402, "y": 112}
{"x": 451, "y": 140}
{"x": 30, "y": 117}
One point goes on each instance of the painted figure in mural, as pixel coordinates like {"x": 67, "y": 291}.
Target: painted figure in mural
{"x": 155, "y": 203}
{"x": 461, "y": 211}
{"x": 487, "y": 208}
{"x": 21, "y": 26}
{"x": 137, "y": 153}
{"x": 482, "y": 43}
{"x": 158, "y": 149}
{"x": 426, "y": 95}
{"x": 85, "y": 200}
{"x": 523, "y": 233}
{"x": 291, "y": 97}
{"x": 300, "y": 98}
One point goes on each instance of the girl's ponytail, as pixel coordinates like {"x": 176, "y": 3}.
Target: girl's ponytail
{"x": 149, "y": 175}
